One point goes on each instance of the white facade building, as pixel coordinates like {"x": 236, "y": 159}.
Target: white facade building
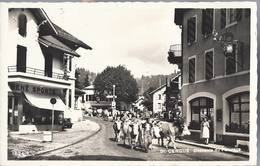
{"x": 40, "y": 67}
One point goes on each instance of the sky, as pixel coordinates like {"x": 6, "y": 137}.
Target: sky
{"x": 136, "y": 35}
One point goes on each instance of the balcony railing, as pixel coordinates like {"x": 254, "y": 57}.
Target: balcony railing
{"x": 175, "y": 54}
{"x": 35, "y": 71}
{"x": 176, "y": 49}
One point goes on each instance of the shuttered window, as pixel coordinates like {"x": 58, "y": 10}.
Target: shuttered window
{"x": 22, "y": 22}
{"x": 192, "y": 70}
{"x": 209, "y": 65}
{"x": 191, "y": 30}
{"x": 207, "y": 21}
{"x": 229, "y": 16}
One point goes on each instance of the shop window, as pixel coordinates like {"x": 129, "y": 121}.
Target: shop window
{"x": 200, "y": 108}
{"x": 230, "y": 16}
{"x": 207, "y": 21}
{"x": 22, "y": 22}
{"x": 209, "y": 65}
{"x": 191, "y": 30}
{"x": 192, "y": 66}
{"x": 238, "y": 113}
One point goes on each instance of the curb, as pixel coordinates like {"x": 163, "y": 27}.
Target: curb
{"x": 63, "y": 146}
{"x": 214, "y": 148}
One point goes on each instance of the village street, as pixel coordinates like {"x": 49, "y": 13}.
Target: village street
{"x": 102, "y": 146}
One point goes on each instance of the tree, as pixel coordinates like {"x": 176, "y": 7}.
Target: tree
{"x": 83, "y": 78}
{"x": 126, "y": 86}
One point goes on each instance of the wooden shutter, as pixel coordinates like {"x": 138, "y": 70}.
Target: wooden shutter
{"x": 191, "y": 30}
{"x": 207, "y": 21}
{"x": 222, "y": 18}
{"x": 192, "y": 70}
{"x": 22, "y": 22}
{"x": 209, "y": 65}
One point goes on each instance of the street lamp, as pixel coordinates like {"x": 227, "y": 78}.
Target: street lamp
{"x": 227, "y": 44}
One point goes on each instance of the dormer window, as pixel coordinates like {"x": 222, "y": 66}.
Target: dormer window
{"x": 22, "y": 21}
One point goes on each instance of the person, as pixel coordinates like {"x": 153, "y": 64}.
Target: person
{"x": 205, "y": 130}
{"x": 148, "y": 133}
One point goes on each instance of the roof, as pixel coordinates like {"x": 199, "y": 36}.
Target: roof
{"x": 50, "y": 41}
{"x": 89, "y": 87}
{"x": 70, "y": 38}
{"x": 159, "y": 88}
{"x": 164, "y": 85}
{"x": 52, "y": 29}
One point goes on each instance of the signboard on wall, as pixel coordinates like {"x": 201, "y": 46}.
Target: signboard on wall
{"x": 34, "y": 89}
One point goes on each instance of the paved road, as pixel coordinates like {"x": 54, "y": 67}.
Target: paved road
{"x": 102, "y": 147}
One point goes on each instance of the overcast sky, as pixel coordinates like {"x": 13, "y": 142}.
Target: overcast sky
{"x": 137, "y": 35}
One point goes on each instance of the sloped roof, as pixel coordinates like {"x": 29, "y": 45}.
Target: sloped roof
{"x": 67, "y": 36}
{"x": 50, "y": 41}
{"x": 56, "y": 31}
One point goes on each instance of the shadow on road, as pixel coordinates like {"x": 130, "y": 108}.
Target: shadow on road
{"x": 84, "y": 157}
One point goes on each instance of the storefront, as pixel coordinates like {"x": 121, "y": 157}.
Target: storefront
{"x": 30, "y": 110}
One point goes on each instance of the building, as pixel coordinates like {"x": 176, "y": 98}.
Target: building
{"x": 90, "y": 100}
{"x": 215, "y": 65}
{"x": 40, "y": 67}
{"x": 166, "y": 97}
{"x": 138, "y": 104}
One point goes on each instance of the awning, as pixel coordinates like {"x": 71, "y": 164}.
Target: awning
{"x": 43, "y": 101}
{"x": 50, "y": 41}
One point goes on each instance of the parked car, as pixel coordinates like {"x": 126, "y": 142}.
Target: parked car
{"x": 67, "y": 123}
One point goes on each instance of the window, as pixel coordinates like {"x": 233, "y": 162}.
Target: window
{"x": 159, "y": 96}
{"x": 209, "y": 65}
{"x": 238, "y": 113}
{"x": 21, "y": 58}
{"x": 22, "y": 21}
{"x": 207, "y": 21}
{"x": 191, "y": 30}
{"x": 200, "y": 107}
{"x": 230, "y": 16}
{"x": 70, "y": 63}
{"x": 192, "y": 70}
{"x": 159, "y": 106}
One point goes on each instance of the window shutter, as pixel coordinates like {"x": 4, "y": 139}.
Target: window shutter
{"x": 222, "y": 18}
{"x": 192, "y": 70}
{"x": 22, "y": 22}
{"x": 209, "y": 65}
{"x": 191, "y": 30}
{"x": 238, "y": 14}
{"x": 209, "y": 21}
{"x": 203, "y": 21}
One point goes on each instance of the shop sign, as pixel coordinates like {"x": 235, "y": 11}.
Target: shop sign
{"x": 33, "y": 89}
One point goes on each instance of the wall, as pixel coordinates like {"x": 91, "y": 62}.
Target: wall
{"x": 34, "y": 53}
{"x": 202, "y": 44}
{"x": 156, "y": 100}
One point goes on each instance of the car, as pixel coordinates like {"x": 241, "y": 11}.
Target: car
{"x": 67, "y": 123}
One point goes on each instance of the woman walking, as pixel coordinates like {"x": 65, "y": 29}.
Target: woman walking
{"x": 205, "y": 130}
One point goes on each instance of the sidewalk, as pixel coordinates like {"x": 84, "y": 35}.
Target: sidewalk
{"x": 23, "y": 145}
{"x": 215, "y": 147}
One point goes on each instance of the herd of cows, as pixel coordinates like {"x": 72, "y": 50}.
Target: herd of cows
{"x": 139, "y": 133}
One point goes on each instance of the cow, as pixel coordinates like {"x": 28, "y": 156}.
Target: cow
{"x": 169, "y": 131}
{"x": 131, "y": 132}
{"x": 117, "y": 129}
